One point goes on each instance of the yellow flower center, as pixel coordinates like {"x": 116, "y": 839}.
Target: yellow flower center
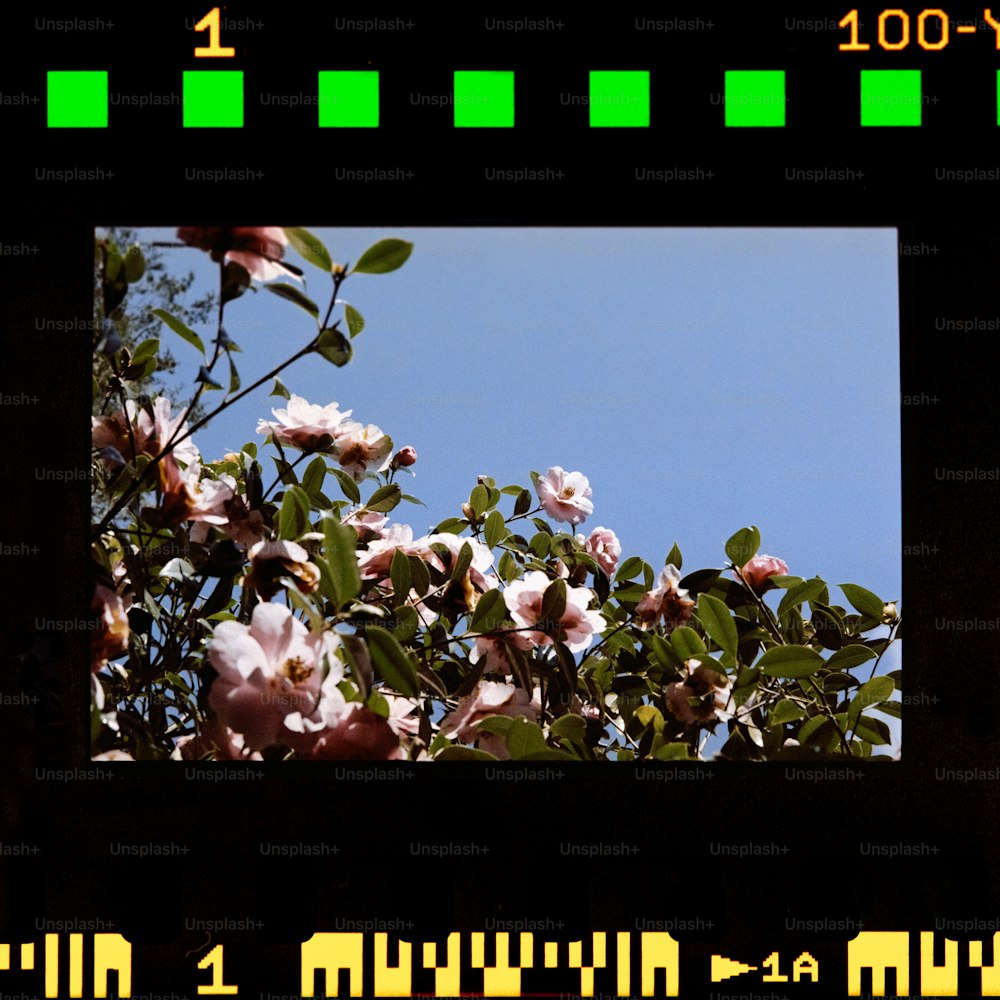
{"x": 295, "y": 670}
{"x": 567, "y": 492}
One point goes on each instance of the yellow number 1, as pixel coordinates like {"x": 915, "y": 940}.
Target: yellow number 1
{"x": 210, "y": 22}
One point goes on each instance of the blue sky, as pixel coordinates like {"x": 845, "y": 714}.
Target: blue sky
{"x": 702, "y": 379}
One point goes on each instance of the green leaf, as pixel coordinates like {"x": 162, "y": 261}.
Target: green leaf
{"x": 312, "y": 478}
{"x": 797, "y": 595}
{"x": 785, "y": 711}
{"x": 553, "y": 605}
{"x": 495, "y": 529}
{"x": 649, "y": 715}
{"x": 849, "y": 657}
{"x": 182, "y": 331}
{"x": 827, "y": 627}
{"x": 404, "y": 623}
{"x": 569, "y": 727}
{"x": 539, "y": 544}
{"x": 134, "y": 264}
{"x": 463, "y": 753}
{"x": 872, "y": 730}
{"x": 508, "y": 568}
{"x": 462, "y": 562}
{"x": 629, "y": 569}
{"x": 399, "y": 573}
{"x": 451, "y": 526}
{"x": 279, "y": 389}
{"x": 893, "y": 708}
{"x": 497, "y": 724}
{"x": 385, "y": 498}
{"x": 310, "y": 248}
{"x": 790, "y": 661}
{"x": 686, "y": 643}
{"x": 347, "y": 485}
{"x": 340, "y": 545}
{"x": 333, "y": 346}
{"x": 868, "y": 695}
{"x": 479, "y": 500}
{"x": 488, "y": 615}
{"x": 234, "y": 375}
{"x": 285, "y": 291}
{"x": 420, "y": 576}
{"x": 235, "y": 281}
{"x": 293, "y": 518}
{"x": 718, "y": 623}
{"x": 391, "y": 661}
{"x": 384, "y": 256}
{"x": 674, "y": 556}
{"x": 524, "y": 738}
{"x": 355, "y": 321}
{"x": 147, "y": 349}
{"x": 523, "y": 503}
{"x": 743, "y": 546}
{"x": 205, "y": 377}
{"x": 671, "y": 751}
{"x": 863, "y": 600}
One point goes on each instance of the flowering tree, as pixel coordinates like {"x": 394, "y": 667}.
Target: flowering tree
{"x": 242, "y": 619}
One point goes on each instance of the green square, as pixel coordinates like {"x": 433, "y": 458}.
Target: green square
{"x": 213, "y": 98}
{"x": 484, "y": 99}
{"x": 77, "y": 99}
{"x": 348, "y": 99}
{"x": 890, "y": 97}
{"x": 619, "y": 99}
{"x": 755, "y": 97}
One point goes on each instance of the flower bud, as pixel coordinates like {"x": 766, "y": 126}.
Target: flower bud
{"x": 231, "y": 456}
{"x": 404, "y": 457}
{"x": 889, "y": 614}
{"x": 758, "y": 571}
{"x": 470, "y": 514}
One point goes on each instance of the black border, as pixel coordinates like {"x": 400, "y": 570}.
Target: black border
{"x": 675, "y": 874}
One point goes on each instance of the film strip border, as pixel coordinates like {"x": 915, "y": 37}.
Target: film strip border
{"x": 648, "y": 963}
{"x": 489, "y": 99}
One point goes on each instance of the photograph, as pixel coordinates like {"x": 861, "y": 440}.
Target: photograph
{"x": 487, "y": 493}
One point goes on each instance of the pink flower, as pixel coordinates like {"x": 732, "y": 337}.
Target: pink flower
{"x": 270, "y": 561}
{"x": 186, "y": 496}
{"x": 369, "y": 524}
{"x": 604, "y": 546}
{"x": 110, "y": 639}
{"x": 565, "y": 495}
{"x": 479, "y": 573}
{"x": 258, "y": 248}
{"x": 361, "y": 448}
{"x": 489, "y": 699}
{"x": 308, "y": 426}
{"x": 667, "y": 601}
{"x": 118, "y": 755}
{"x": 524, "y": 601}
{"x": 268, "y": 671}
{"x": 758, "y": 571}
{"x": 401, "y": 718}
{"x": 712, "y": 689}
{"x": 496, "y": 649}
{"x": 359, "y": 734}
{"x": 375, "y": 561}
{"x": 404, "y": 457}
{"x": 151, "y": 428}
